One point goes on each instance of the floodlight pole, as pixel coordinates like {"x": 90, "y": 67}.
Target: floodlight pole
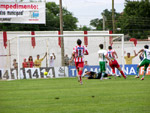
{"x": 113, "y": 18}
{"x": 61, "y": 32}
{"x": 103, "y": 22}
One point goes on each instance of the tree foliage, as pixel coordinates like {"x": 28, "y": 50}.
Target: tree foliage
{"x": 135, "y": 20}
{"x": 84, "y": 28}
{"x": 98, "y": 23}
{"x": 52, "y": 21}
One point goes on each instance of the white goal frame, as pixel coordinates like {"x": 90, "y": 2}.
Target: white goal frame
{"x": 70, "y": 35}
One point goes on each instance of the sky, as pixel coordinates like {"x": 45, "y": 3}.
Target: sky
{"x": 86, "y": 10}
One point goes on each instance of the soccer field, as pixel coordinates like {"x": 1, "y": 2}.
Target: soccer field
{"x": 66, "y": 95}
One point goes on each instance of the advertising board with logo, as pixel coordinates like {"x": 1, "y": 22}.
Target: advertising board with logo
{"x": 27, "y": 73}
{"x": 33, "y": 12}
{"x": 128, "y": 70}
{"x": 61, "y": 72}
{"x": 34, "y": 73}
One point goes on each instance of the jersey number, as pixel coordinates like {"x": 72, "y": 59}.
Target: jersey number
{"x": 109, "y": 54}
{"x": 80, "y": 53}
{"x": 100, "y": 55}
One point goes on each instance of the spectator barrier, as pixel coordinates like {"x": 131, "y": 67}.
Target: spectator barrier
{"x": 129, "y": 70}
{"x": 34, "y": 73}
{"x": 59, "y": 72}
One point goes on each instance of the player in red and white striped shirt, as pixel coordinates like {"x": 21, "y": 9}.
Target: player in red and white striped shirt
{"x": 78, "y": 56}
{"x": 111, "y": 57}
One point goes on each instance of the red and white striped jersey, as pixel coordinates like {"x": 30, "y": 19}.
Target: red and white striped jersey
{"x": 111, "y": 55}
{"x": 79, "y": 53}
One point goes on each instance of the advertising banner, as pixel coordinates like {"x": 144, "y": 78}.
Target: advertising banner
{"x": 27, "y": 73}
{"x": 29, "y": 13}
{"x": 129, "y": 70}
{"x": 34, "y": 73}
{"x": 61, "y": 72}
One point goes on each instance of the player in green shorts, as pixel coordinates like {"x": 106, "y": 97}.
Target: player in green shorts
{"x": 145, "y": 62}
{"x": 102, "y": 60}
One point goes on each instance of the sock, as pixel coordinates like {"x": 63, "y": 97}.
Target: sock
{"x": 80, "y": 78}
{"x": 103, "y": 73}
{"x": 113, "y": 70}
{"x": 123, "y": 74}
{"x": 144, "y": 74}
{"x": 80, "y": 73}
{"x": 137, "y": 71}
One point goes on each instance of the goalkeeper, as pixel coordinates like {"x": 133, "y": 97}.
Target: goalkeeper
{"x": 94, "y": 75}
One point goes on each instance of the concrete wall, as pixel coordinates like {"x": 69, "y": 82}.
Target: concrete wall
{"x": 50, "y": 45}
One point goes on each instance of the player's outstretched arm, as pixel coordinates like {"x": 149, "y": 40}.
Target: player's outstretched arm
{"x": 135, "y": 53}
{"x": 86, "y": 52}
{"x": 140, "y": 51}
{"x": 44, "y": 55}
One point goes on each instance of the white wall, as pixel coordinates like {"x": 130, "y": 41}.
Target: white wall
{"x": 27, "y": 50}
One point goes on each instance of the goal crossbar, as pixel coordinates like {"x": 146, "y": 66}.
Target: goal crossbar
{"x": 72, "y": 35}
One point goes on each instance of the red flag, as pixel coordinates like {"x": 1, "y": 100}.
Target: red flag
{"x": 85, "y": 38}
{"x": 134, "y": 41}
{"x": 110, "y": 39}
{"x": 33, "y": 39}
{"x": 5, "y": 39}
{"x": 59, "y": 39}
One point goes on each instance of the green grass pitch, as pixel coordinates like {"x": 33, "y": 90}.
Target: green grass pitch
{"x": 66, "y": 95}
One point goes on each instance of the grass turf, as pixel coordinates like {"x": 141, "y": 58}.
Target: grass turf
{"x": 66, "y": 95}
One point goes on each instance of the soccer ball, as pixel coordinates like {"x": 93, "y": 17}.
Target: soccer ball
{"x": 45, "y": 73}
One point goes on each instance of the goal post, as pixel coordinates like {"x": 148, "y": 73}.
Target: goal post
{"x": 19, "y": 37}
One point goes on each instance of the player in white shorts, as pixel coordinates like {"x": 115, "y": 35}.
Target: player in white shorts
{"x": 145, "y": 62}
{"x": 102, "y": 60}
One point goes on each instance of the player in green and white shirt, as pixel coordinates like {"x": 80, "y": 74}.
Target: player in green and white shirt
{"x": 102, "y": 60}
{"x": 145, "y": 62}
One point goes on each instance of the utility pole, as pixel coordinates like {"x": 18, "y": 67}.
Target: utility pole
{"x": 103, "y": 22}
{"x": 113, "y": 18}
{"x": 104, "y": 18}
{"x": 61, "y": 32}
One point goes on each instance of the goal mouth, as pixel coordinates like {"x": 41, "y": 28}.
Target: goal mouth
{"x": 70, "y": 42}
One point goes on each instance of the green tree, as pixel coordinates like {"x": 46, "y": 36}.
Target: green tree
{"x": 84, "y": 28}
{"x": 52, "y": 21}
{"x": 98, "y": 23}
{"x": 135, "y": 19}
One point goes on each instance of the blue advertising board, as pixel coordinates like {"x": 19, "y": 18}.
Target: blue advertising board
{"x": 129, "y": 70}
